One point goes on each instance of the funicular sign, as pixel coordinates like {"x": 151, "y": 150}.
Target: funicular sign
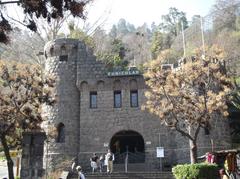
{"x": 123, "y": 73}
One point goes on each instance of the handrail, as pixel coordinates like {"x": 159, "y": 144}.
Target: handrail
{"x": 133, "y": 157}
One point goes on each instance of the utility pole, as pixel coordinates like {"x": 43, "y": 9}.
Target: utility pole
{"x": 160, "y": 158}
{"x": 183, "y": 37}
{"x": 202, "y": 32}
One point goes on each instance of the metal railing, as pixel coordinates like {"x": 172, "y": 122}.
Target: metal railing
{"x": 129, "y": 157}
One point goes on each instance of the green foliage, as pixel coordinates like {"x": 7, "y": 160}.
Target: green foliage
{"x": 113, "y": 61}
{"x": 235, "y": 100}
{"x": 171, "y": 26}
{"x": 195, "y": 171}
{"x": 77, "y": 33}
{"x": 173, "y": 21}
{"x": 114, "y": 58}
{"x": 1, "y": 148}
{"x": 234, "y": 109}
{"x": 118, "y": 48}
{"x": 157, "y": 44}
{"x": 2, "y": 157}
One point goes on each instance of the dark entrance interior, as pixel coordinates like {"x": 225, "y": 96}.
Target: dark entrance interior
{"x": 128, "y": 144}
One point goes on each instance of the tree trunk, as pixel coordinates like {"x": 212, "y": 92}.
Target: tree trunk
{"x": 7, "y": 155}
{"x": 193, "y": 151}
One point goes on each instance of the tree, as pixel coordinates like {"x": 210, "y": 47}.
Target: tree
{"x": 225, "y": 14}
{"x": 78, "y": 33}
{"x": 24, "y": 48}
{"x": 50, "y": 30}
{"x": 173, "y": 21}
{"x": 167, "y": 31}
{"x": 236, "y": 99}
{"x": 122, "y": 27}
{"x": 160, "y": 42}
{"x": 22, "y": 93}
{"x": 114, "y": 57}
{"x": 113, "y": 32}
{"x": 39, "y": 8}
{"x": 187, "y": 99}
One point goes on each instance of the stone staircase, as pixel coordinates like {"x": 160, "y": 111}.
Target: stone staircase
{"x": 135, "y": 171}
{"x": 136, "y": 167}
{"x": 131, "y": 175}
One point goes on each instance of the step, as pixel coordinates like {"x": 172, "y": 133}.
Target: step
{"x": 131, "y": 175}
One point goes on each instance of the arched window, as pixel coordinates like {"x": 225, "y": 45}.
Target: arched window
{"x": 133, "y": 84}
{"x": 117, "y": 93}
{"x": 84, "y": 86}
{"x": 100, "y": 85}
{"x": 60, "y": 133}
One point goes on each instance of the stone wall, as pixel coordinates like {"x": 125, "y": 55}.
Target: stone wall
{"x": 32, "y": 155}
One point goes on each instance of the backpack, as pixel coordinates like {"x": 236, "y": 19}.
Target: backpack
{"x": 110, "y": 158}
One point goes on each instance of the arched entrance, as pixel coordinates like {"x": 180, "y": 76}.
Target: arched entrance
{"x": 128, "y": 144}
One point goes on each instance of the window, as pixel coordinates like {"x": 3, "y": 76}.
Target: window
{"x": 207, "y": 128}
{"x": 117, "y": 99}
{"x": 60, "y": 133}
{"x": 134, "y": 98}
{"x": 63, "y": 58}
{"x": 93, "y": 99}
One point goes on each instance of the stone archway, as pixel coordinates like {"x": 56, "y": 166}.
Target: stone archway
{"x": 128, "y": 143}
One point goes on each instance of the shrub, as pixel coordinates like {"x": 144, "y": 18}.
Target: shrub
{"x": 1, "y": 148}
{"x": 195, "y": 171}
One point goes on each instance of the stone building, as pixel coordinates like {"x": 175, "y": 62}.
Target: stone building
{"x": 97, "y": 110}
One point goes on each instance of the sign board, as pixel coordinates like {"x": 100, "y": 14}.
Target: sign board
{"x": 148, "y": 142}
{"x": 160, "y": 152}
{"x": 105, "y": 144}
{"x": 123, "y": 73}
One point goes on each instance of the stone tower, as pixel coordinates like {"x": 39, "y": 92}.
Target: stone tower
{"x": 61, "y": 55}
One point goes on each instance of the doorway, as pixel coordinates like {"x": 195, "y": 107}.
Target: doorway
{"x": 130, "y": 144}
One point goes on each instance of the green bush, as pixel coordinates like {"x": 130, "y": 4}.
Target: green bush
{"x": 195, "y": 171}
{"x": 1, "y": 148}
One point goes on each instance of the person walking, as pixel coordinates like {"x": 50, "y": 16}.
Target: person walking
{"x": 80, "y": 174}
{"x": 110, "y": 159}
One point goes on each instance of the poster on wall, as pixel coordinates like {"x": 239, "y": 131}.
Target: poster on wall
{"x": 160, "y": 152}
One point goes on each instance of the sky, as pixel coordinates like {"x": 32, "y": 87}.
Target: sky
{"x": 136, "y": 12}
{"x": 105, "y": 13}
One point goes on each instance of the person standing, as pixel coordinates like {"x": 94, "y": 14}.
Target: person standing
{"x": 101, "y": 163}
{"x": 80, "y": 174}
{"x": 94, "y": 160}
{"x": 110, "y": 159}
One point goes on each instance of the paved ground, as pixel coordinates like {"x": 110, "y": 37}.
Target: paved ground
{"x": 4, "y": 170}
